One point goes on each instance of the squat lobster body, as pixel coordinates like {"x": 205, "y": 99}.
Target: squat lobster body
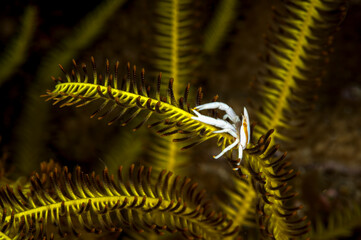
{"x": 240, "y": 130}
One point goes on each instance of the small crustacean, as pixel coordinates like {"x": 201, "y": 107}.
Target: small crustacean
{"x": 240, "y": 130}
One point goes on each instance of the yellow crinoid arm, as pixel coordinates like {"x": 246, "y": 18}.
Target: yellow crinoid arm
{"x": 87, "y": 203}
{"x": 122, "y": 101}
{"x": 297, "y": 48}
{"x": 175, "y": 56}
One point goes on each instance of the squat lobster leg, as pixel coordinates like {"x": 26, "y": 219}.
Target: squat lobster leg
{"x": 221, "y": 106}
{"x": 227, "y": 149}
{"x": 233, "y": 133}
{"x": 214, "y": 122}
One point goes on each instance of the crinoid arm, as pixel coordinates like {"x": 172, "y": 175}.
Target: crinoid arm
{"x": 73, "y": 204}
{"x": 124, "y": 99}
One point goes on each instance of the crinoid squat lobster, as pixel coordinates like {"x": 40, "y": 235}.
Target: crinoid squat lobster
{"x": 240, "y": 130}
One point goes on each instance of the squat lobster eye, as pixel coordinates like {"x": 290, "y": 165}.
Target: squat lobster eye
{"x": 240, "y": 130}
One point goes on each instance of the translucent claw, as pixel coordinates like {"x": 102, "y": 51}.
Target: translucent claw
{"x": 244, "y": 131}
{"x": 221, "y": 106}
{"x": 248, "y": 125}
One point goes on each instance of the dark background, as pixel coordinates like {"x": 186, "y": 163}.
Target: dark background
{"x": 328, "y": 156}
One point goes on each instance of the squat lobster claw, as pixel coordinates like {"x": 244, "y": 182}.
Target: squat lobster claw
{"x": 240, "y": 130}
